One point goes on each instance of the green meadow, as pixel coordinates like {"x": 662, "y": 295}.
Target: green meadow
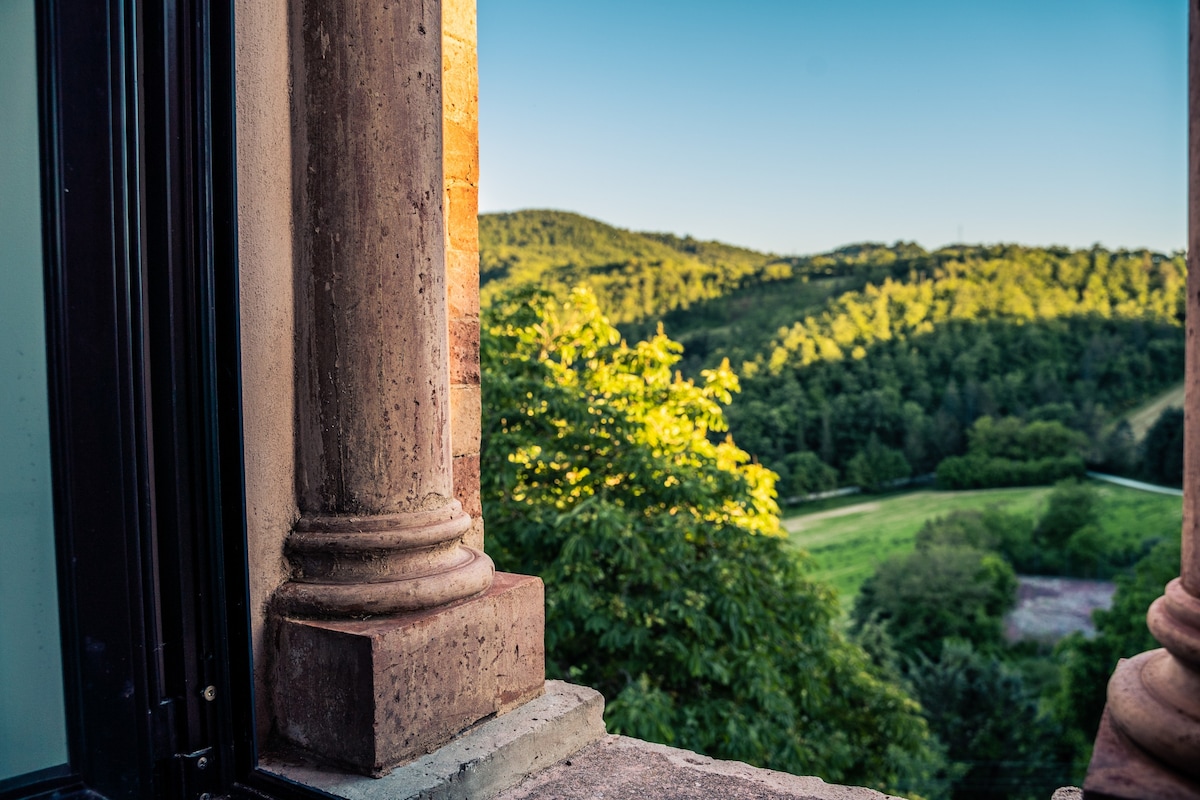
{"x": 849, "y": 538}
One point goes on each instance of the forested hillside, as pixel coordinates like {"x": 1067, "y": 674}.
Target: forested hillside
{"x": 625, "y": 467}
{"x": 880, "y": 358}
{"x": 635, "y": 276}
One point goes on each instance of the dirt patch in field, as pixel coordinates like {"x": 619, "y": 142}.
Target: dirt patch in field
{"x": 800, "y": 523}
{"x": 1143, "y": 419}
{"x": 1050, "y": 608}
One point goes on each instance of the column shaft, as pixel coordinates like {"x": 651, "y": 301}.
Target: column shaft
{"x": 381, "y": 530}
{"x": 1190, "y": 566}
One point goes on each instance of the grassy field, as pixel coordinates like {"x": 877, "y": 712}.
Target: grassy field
{"x": 847, "y": 541}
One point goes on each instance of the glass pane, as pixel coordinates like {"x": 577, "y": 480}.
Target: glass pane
{"x": 33, "y": 732}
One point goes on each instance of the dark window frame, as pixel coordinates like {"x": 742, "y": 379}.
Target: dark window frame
{"x": 136, "y": 100}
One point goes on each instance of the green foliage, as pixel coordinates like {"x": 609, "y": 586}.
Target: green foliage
{"x": 1071, "y": 507}
{"x": 667, "y": 586}
{"x": 1121, "y": 632}
{"x": 1116, "y": 450}
{"x": 1010, "y": 437}
{"x": 877, "y": 467}
{"x": 1005, "y": 282}
{"x": 1013, "y": 722}
{"x": 939, "y": 591}
{"x": 872, "y": 340}
{"x": 635, "y": 276}
{"x": 1012, "y": 452}
{"x": 921, "y": 395}
{"x": 989, "y": 718}
{"x": 846, "y": 548}
{"x": 805, "y": 473}
{"x": 1162, "y": 450}
{"x": 991, "y": 529}
{"x": 1047, "y": 336}
{"x": 978, "y": 472}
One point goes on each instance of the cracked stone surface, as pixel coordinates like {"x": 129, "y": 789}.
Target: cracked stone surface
{"x": 619, "y": 768}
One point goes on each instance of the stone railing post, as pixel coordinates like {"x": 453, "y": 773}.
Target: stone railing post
{"x": 392, "y": 635}
{"x": 1148, "y": 746}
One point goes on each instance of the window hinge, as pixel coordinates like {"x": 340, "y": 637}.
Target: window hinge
{"x": 197, "y": 773}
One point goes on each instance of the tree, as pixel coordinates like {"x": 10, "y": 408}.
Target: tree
{"x": 807, "y": 474}
{"x": 1012, "y": 452}
{"x": 1012, "y": 438}
{"x": 982, "y": 709}
{"x": 875, "y": 467}
{"x": 668, "y": 587}
{"x": 937, "y": 592}
{"x": 991, "y": 529}
{"x": 1071, "y": 506}
{"x": 1162, "y": 449}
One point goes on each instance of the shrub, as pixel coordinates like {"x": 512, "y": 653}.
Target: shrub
{"x": 876, "y": 467}
{"x": 936, "y": 592}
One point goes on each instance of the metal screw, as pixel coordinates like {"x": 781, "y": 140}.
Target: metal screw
{"x": 209, "y": 693}
{"x": 202, "y": 762}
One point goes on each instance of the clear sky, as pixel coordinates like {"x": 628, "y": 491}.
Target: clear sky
{"x": 796, "y": 126}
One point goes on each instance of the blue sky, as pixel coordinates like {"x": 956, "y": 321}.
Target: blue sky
{"x": 800, "y": 126}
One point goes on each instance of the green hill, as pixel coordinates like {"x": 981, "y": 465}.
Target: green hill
{"x": 636, "y": 276}
{"x": 891, "y": 351}
{"x": 714, "y": 297}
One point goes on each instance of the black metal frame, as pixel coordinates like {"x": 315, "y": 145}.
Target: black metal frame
{"x": 139, "y": 209}
{"x": 140, "y": 246}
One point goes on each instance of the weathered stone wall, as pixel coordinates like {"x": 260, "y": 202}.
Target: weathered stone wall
{"x": 460, "y": 101}
{"x": 264, "y": 179}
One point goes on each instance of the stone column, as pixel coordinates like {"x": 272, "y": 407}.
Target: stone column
{"x": 1148, "y": 745}
{"x": 380, "y": 529}
{"x": 392, "y": 636}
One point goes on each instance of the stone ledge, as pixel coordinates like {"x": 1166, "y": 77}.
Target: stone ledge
{"x": 619, "y": 768}
{"x": 486, "y": 760}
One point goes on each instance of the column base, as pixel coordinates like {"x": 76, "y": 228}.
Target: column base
{"x": 370, "y": 695}
{"x": 1120, "y": 770}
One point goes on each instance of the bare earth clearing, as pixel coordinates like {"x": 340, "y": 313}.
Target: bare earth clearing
{"x": 1050, "y": 608}
{"x": 795, "y": 524}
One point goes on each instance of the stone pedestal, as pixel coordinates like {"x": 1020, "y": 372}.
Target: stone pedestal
{"x": 373, "y": 694}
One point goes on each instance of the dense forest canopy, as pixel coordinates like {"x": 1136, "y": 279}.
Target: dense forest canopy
{"x": 872, "y": 350}
{"x": 635, "y": 276}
